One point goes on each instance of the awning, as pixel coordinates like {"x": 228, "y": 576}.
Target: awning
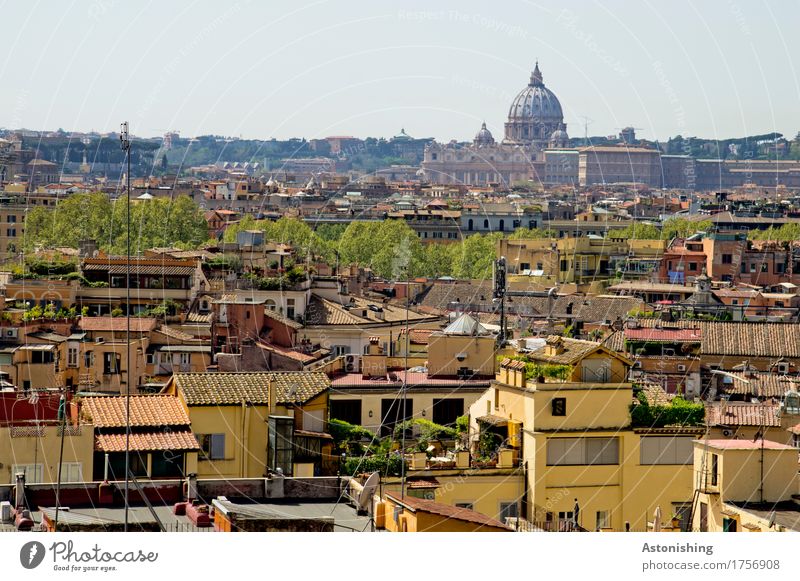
{"x": 493, "y": 420}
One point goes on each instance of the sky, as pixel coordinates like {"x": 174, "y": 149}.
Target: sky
{"x": 281, "y": 69}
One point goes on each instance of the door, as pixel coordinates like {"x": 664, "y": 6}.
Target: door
{"x": 596, "y": 370}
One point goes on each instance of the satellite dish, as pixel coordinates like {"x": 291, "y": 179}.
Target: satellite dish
{"x": 364, "y": 498}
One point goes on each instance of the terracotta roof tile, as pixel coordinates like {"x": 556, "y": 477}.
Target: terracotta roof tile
{"x": 182, "y": 440}
{"x": 233, "y": 388}
{"x": 447, "y": 511}
{"x": 742, "y": 414}
{"x": 117, "y": 324}
{"x": 108, "y": 411}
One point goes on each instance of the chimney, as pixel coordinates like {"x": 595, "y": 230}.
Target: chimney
{"x": 271, "y": 396}
{"x": 191, "y": 487}
{"x": 19, "y": 491}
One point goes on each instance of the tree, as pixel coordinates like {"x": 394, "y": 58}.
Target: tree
{"x": 164, "y": 162}
{"x": 475, "y": 256}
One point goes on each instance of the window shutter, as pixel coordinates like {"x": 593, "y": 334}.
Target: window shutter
{"x": 217, "y": 446}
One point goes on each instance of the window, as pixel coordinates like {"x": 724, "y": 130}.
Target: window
{"x": 447, "y": 410}
{"x": 665, "y": 450}
{"x": 212, "y": 446}
{"x": 111, "y": 363}
{"x": 727, "y": 259}
{"x": 281, "y": 443}
{"x": 508, "y": 510}
{"x": 752, "y": 267}
{"x": 714, "y": 469}
{"x": 582, "y": 451}
{"x": 290, "y": 308}
{"x": 764, "y": 267}
{"x": 33, "y": 472}
{"x": 780, "y": 268}
{"x": 524, "y": 266}
{"x": 88, "y": 359}
{"x": 603, "y": 520}
{"x": 72, "y": 357}
{"x": 347, "y": 410}
{"x": 692, "y": 267}
{"x": 11, "y": 232}
{"x": 728, "y": 525}
{"x": 150, "y": 358}
{"x": 559, "y": 406}
{"x": 12, "y": 219}
{"x": 71, "y": 472}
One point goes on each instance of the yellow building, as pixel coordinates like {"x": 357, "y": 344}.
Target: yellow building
{"x": 412, "y": 515}
{"x": 580, "y": 259}
{"x": 564, "y": 410}
{"x": 745, "y": 486}
{"x": 35, "y": 448}
{"x": 250, "y": 423}
{"x": 465, "y": 348}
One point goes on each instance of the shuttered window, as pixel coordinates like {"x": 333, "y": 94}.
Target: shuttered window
{"x": 582, "y": 451}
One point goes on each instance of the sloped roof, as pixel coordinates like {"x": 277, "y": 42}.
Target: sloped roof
{"x": 751, "y": 339}
{"x": 181, "y": 440}
{"x": 574, "y": 350}
{"x": 117, "y": 324}
{"x": 466, "y": 324}
{"x": 742, "y": 414}
{"x": 234, "y": 388}
{"x": 108, "y": 411}
{"x": 759, "y": 384}
{"x": 449, "y": 512}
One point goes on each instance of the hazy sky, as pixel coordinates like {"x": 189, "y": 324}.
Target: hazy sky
{"x": 275, "y": 68}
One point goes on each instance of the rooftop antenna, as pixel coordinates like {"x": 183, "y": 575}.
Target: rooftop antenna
{"x": 125, "y": 143}
{"x": 586, "y": 122}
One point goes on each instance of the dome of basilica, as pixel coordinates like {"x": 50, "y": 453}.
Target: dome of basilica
{"x": 535, "y": 113}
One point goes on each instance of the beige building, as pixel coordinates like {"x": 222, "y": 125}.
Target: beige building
{"x": 571, "y": 427}
{"x": 745, "y": 486}
{"x": 619, "y": 164}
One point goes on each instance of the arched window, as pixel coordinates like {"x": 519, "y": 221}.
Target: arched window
{"x": 270, "y": 304}
{"x": 469, "y": 225}
{"x": 502, "y": 225}
{"x": 486, "y": 224}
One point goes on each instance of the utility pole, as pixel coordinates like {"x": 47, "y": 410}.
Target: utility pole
{"x": 125, "y": 143}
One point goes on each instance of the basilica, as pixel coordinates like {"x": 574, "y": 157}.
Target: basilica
{"x": 535, "y": 122}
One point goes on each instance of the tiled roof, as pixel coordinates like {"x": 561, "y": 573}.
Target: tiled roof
{"x": 147, "y": 269}
{"x": 234, "y": 388}
{"x": 417, "y": 336}
{"x": 573, "y": 350}
{"x": 447, "y": 511}
{"x": 422, "y": 483}
{"x": 146, "y": 410}
{"x": 198, "y": 318}
{"x": 175, "y": 334}
{"x": 752, "y": 339}
{"x": 615, "y": 341}
{"x": 760, "y": 384}
{"x": 414, "y": 379}
{"x": 181, "y": 440}
{"x": 117, "y": 324}
{"x": 655, "y": 394}
{"x": 664, "y": 335}
{"x": 322, "y": 311}
{"x": 742, "y": 414}
{"x": 275, "y": 316}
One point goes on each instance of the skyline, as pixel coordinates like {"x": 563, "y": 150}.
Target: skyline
{"x": 318, "y": 70}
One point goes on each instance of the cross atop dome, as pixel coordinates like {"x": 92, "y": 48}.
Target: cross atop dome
{"x": 536, "y": 76}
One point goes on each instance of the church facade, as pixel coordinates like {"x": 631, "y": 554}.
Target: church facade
{"x": 535, "y": 122}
